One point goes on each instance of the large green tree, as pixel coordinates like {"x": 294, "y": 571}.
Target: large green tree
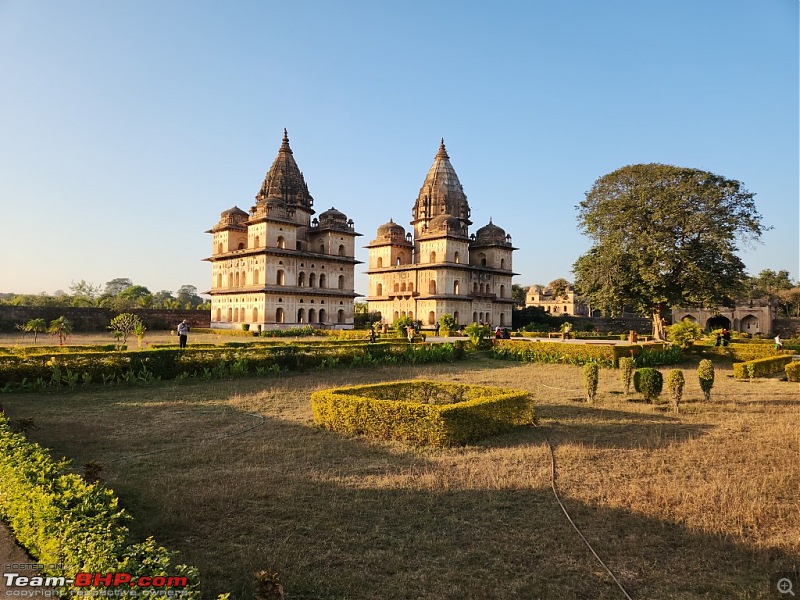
{"x": 664, "y": 236}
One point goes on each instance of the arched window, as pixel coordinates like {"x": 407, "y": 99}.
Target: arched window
{"x": 257, "y": 242}
{"x": 312, "y": 280}
{"x": 502, "y": 291}
{"x": 341, "y": 249}
{"x": 457, "y": 258}
{"x": 312, "y": 314}
{"x": 236, "y": 279}
{"x": 396, "y": 287}
{"x": 281, "y": 242}
{"x": 433, "y": 257}
{"x": 455, "y": 316}
{"x": 475, "y": 288}
{"x": 474, "y": 317}
{"x": 235, "y": 315}
{"x": 379, "y": 290}
{"x": 322, "y": 281}
{"x": 411, "y": 314}
{"x": 431, "y": 318}
{"x": 502, "y": 319}
{"x": 255, "y": 315}
{"x": 483, "y": 262}
{"x": 244, "y": 278}
{"x": 230, "y": 315}
{"x": 340, "y": 317}
{"x": 279, "y": 318}
{"x": 322, "y": 248}
{"x": 341, "y": 282}
{"x": 456, "y": 287}
{"x": 321, "y": 315}
{"x": 219, "y": 280}
{"x": 482, "y": 259}
{"x": 256, "y": 276}
{"x": 502, "y": 263}
{"x": 380, "y": 262}
{"x": 431, "y": 287}
{"x": 280, "y": 278}
{"x": 403, "y": 287}
{"x": 241, "y": 246}
{"x": 399, "y": 261}
{"x": 410, "y": 287}
{"x": 230, "y": 279}
{"x": 301, "y": 315}
{"x": 219, "y": 248}
{"x": 301, "y": 279}
{"x": 396, "y": 315}
{"x": 219, "y": 315}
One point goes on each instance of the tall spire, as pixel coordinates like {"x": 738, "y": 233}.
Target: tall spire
{"x": 284, "y": 180}
{"x": 441, "y": 193}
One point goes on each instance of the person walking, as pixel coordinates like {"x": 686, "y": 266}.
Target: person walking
{"x": 778, "y": 342}
{"x": 183, "y": 333}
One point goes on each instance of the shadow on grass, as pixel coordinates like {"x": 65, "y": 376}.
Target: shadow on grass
{"x": 344, "y": 518}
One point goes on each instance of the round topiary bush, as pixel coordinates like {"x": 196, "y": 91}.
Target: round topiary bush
{"x": 648, "y": 382}
{"x": 705, "y": 372}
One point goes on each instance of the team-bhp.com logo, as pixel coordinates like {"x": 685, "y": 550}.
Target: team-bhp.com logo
{"x": 125, "y": 584}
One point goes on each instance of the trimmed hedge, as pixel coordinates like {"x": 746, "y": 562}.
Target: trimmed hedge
{"x": 606, "y": 355}
{"x": 793, "y": 371}
{"x": 422, "y": 412}
{"x": 741, "y": 352}
{"x": 762, "y": 367}
{"x": 38, "y": 372}
{"x": 63, "y": 520}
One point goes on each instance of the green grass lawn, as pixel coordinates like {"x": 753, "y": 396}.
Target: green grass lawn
{"x": 234, "y": 474}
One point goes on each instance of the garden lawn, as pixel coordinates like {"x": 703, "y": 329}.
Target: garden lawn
{"x": 702, "y": 504}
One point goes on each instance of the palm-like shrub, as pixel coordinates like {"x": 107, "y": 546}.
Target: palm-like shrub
{"x": 675, "y": 383}
{"x": 591, "y": 377}
{"x": 626, "y": 372}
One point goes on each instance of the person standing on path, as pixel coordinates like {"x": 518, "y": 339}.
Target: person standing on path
{"x": 183, "y": 333}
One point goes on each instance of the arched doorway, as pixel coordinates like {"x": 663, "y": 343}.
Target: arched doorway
{"x": 718, "y": 322}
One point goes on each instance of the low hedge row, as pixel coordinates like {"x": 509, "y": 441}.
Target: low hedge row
{"x": 740, "y": 352}
{"x": 70, "y": 370}
{"x": 606, "y": 355}
{"x": 452, "y": 415}
{"x": 63, "y": 520}
{"x": 37, "y": 350}
{"x": 793, "y": 371}
{"x": 761, "y": 367}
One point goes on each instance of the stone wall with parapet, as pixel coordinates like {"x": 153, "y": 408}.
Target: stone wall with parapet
{"x": 97, "y": 319}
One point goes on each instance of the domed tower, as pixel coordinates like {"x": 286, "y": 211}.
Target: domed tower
{"x": 274, "y": 268}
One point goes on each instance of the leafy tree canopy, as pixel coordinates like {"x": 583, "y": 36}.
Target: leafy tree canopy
{"x": 116, "y": 286}
{"x": 558, "y": 287}
{"x": 664, "y": 236}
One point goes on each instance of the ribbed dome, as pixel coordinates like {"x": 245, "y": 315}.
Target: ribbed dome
{"x": 333, "y": 214}
{"x": 391, "y": 233}
{"x": 234, "y": 210}
{"x": 490, "y": 234}
{"x": 441, "y": 193}
{"x": 284, "y": 179}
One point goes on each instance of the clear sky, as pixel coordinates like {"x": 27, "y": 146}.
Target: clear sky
{"x": 127, "y": 127}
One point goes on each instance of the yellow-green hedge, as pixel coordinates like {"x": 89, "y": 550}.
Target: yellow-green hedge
{"x": 761, "y": 367}
{"x": 459, "y": 413}
{"x": 793, "y": 371}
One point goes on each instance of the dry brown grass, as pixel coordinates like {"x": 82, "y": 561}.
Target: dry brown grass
{"x": 702, "y": 504}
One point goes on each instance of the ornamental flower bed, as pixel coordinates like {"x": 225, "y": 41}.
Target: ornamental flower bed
{"x": 422, "y": 412}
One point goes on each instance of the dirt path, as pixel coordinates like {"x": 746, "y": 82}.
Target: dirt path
{"x": 13, "y": 559}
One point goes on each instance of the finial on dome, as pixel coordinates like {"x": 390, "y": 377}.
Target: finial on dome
{"x": 442, "y": 151}
{"x": 490, "y": 220}
{"x": 285, "y": 143}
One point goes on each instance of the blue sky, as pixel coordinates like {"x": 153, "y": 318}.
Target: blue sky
{"x": 127, "y": 127}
